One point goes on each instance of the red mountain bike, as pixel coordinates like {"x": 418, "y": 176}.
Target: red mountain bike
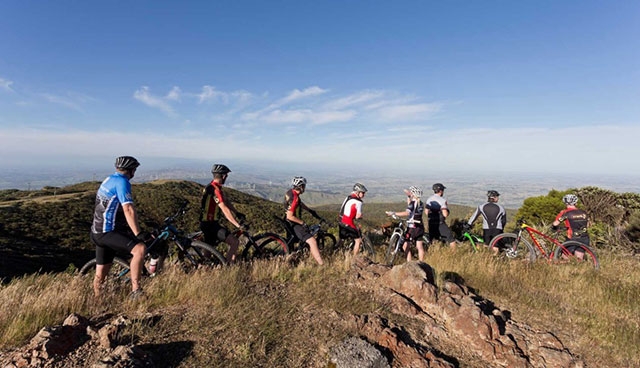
{"x": 515, "y": 246}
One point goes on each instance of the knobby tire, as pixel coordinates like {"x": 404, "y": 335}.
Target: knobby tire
{"x": 589, "y": 254}
{"x": 509, "y": 247}
{"x": 391, "y": 255}
{"x": 270, "y": 245}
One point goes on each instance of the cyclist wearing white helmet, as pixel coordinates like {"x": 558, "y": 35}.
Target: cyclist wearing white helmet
{"x": 350, "y": 212}
{"x": 415, "y": 224}
{"x": 576, "y": 222}
{"x": 494, "y": 217}
{"x": 115, "y": 221}
{"x": 293, "y": 206}
{"x": 438, "y": 212}
{"x": 212, "y": 206}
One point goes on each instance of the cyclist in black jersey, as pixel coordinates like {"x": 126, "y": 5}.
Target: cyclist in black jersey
{"x": 576, "y": 222}
{"x": 415, "y": 224}
{"x": 494, "y": 217}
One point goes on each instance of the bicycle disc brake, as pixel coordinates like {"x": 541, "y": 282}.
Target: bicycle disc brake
{"x": 511, "y": 253}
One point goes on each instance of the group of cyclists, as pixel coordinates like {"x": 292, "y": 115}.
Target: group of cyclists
{"x": 115, "y": 228}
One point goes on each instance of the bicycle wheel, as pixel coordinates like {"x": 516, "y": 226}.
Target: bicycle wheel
{"x": 117, "y": 278}
{"x": 508, "y": 246}
{"x": 326, "y": 241}
{"x": 367, "y": 246}
{"x": 270, "y": 245}
{"x": 590, "y": 256}
{"x": 201, "y": 254}
{"x": 394, "y": 248}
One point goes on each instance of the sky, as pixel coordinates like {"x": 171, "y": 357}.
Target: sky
{"x": 403, "y": 86}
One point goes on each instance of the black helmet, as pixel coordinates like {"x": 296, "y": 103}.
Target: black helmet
{"x": 438, "y": 187}
{"x": 493, "y": 194}
{"x": 357, "y": 187}
{"x": 220, "y": 169}
{"x": 126, "y": 163}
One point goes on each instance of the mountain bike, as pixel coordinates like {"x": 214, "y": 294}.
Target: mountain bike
{"x": 398, "y": 238}
{"x": 291, "y": 244}
{"x": 472, "y": 239}
{"x": 366, "y": 246}
{"x": 515, "y": 246}
{"x": 190, "y": 252}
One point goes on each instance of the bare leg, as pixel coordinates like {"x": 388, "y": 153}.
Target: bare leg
{"x": 315, "y": 252}
{"x": 356, "y": 246}
{"x": 579, "y": 254}
{"x": 98, "y": 279}
{"x": 420, "y": 250}
{"x": 234, "y": 243}
{"x": 407, "y": 250}
{"x": 452, "y": 245}
{"x": 136, "y": 264}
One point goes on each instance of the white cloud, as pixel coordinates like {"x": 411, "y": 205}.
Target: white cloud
{"x": 143, "y": 95}
{"x": 354, "y": 99}
{"x": 174, "y": 94}
{"x": 306, "y": 116}
{"x": 6, "y": 85}
{"x": 297, "y": 94}
{"x": 412, "y": 112}
{"x": 70, "y": 102}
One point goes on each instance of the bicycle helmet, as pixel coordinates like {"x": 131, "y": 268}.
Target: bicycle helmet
{"x": 417, "y": 192}
{"x": 298, "y": 181}
{"x": 493, "y": 194}
{"x": 126, "y": 163}
{"x": 357, "y": 187}
{"x": 438, "y": 187}
{"x": 570, "y": 199}
{"x": 220, "y": 169}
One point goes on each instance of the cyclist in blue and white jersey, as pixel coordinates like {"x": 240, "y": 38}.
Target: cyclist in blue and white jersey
{"x": 115, "y": 221}
{"x": 438, "y": 212}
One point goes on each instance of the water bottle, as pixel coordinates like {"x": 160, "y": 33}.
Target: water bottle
{"x": 152, "y": 265}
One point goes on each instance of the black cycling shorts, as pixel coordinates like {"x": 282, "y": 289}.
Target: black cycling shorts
{"x": 441, "y": 232}
{"x": 347, "y": 232}
{"x": 415, "y": 233}
{"x": 302, "y": 232}
{"x": 111, "y": 243}
{"x": 214, "y": 233}
{"x": 489, "y": 234}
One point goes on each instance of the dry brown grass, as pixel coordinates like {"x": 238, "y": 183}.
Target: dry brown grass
{"x": 283, "y": 314}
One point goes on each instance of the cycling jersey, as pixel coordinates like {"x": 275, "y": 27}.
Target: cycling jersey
{"x": 212, "y": 196}
{"x": 493, "y": 216}
{"x": 435, "y": 204}
{"x": 575, "y": 220}
{"x": 351, "y": 208}
{"x": 293, "y": 203}
{"x": 415, "y": 209}
{"x": 108, "y": 215}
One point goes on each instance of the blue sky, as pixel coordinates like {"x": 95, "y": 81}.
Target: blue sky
{"x": 408, "y": 85}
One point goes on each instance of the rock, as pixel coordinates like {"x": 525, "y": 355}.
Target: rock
{"x": 355, "y": 352}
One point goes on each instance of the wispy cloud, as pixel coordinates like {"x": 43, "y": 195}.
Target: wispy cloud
{"x": 307, "y": 116}
{"x": 143, "y": 95}
{"x": 174, "y": 94}
{"x": 413, "y": 112}
{"x": 74, "y": 101}
{"x": 297, "y": 94}
{"x": 5, "y": 85}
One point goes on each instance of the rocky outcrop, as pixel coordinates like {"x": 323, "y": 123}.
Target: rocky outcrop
{"x": 451, "y": 315}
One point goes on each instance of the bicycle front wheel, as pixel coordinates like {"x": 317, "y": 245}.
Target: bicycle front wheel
{"x": 564, "y": 252}
{"x": 118, "y": 277}
{"x": 326, "y": 241}
{"x": 201, "y": 254}
{"x": 510, "y": 247}
{"x": 367, "y": 246}
{"x": 395, "y": 247}
{"x": 269, "y": 245}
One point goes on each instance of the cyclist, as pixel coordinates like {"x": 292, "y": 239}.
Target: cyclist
{"x": 293, "y": 206}
{"x": 575, "y": 220}
{"x": 414, "y": 211}
{"x": 494, "y": 217}
{"x": 115, "y": 221}
{"x": 213, "y": 204}
{"x": 350, "y": 212}
{"x": 438, "y": 211}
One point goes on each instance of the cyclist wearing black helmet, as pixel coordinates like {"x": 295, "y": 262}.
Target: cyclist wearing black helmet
{"x": 293, "y": 206}
{"x": 438, "y": 212}
{"x": 494, "y": 217}
{"x": 213, "y": 204}
{"x": 350, "y": 212}
{"x": 575, "y": 220}
{"x": 115, "y": 221}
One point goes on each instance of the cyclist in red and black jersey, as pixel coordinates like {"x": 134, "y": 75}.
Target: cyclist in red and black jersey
{"x": 293, "y": 206}
{"x": 214, "y": 204}
{"x": 350, "y": 212}
{"x": 575, "y": 220}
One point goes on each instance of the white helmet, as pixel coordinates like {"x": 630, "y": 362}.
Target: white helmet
{"x": 570, "y": 199}
{"x": 417, "y": 192}
{"x": 298, "y": 181}
{"x": 358, "y": 187}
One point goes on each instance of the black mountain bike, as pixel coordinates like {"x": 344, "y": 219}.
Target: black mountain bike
{"x": 366, "y": 246}
{"x": 189, "y": 252}
{"x": 281, "y": 246}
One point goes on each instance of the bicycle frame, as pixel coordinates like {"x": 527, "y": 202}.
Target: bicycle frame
{"x": 534, "y": 234}
{"x": 473, "y": 239}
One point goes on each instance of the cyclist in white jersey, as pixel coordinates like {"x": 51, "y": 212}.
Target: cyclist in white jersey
{"x": 438, "y": 212}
